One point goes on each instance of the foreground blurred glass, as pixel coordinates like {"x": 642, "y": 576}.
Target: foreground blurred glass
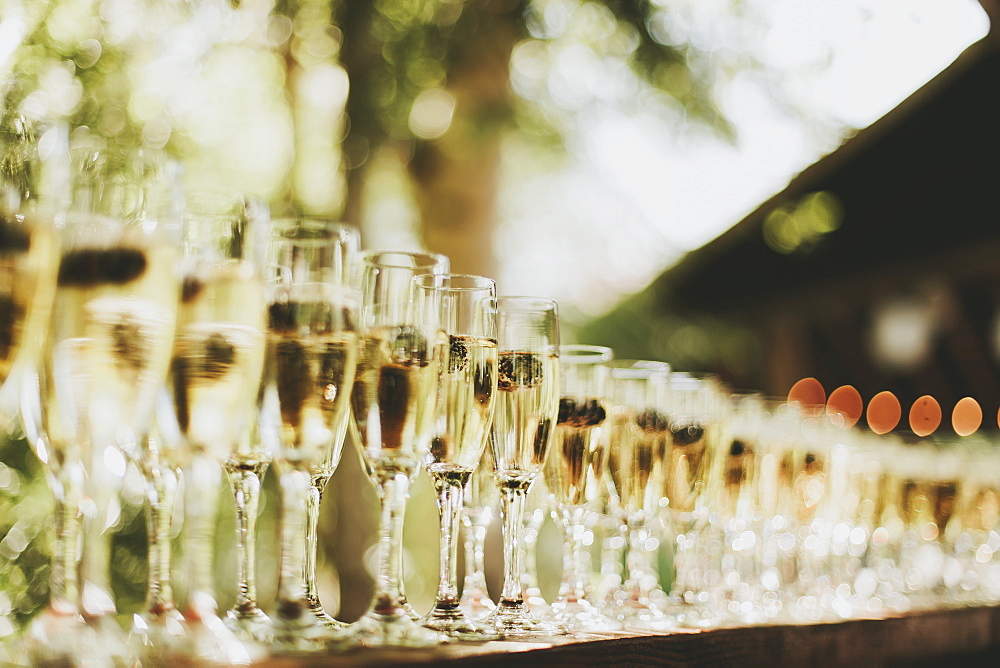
{"x": 104, "y": 360}
{"x": 525, "y": 413}
{"x": 393, "y": 404}
{"x": 28, "y": 257}
{"x": 214, "y": 376}
{"x": 580, "y": 446}
{"x": 312, "y": 354}
{"x": 465, "y": 308}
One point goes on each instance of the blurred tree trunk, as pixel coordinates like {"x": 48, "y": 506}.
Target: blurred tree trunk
{"x": 456, "y": 177}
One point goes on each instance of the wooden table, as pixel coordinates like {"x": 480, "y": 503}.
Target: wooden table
{"x": 967, "y": 636}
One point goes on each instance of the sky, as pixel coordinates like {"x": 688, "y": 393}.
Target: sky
{"x": 639, "y": 193}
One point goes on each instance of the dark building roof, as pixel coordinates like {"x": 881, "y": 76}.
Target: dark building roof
{"x": 919, "y": 188}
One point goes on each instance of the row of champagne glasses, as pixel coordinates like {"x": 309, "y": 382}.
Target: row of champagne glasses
{"x": 220, "y": 340}
{"x": 795, "y": 519}
{"x": 165, "y": 327}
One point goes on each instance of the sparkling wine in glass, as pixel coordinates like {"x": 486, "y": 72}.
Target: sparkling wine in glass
{"x": 393, "y": 405}
{"x": 104, "y": 359}
{"x": 28, "y": 257}
{"x": 215, "y": 375}
{"x": 525, "y": 413}
{"x": 312, "y": 355}
{"x": 27, "y": 281}
{"x": 638, "y": 440}
{"x": 580, "y": 439}
{"x": 344, "y": 250}
{"x": 698, "y": 434}
{"x": 465, "y": 309}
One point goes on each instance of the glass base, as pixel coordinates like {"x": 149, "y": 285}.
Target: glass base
{"x": 410, "y": 612}
{"x": 536, "y": 603}
{"x": 249, "y": 622}
{"x": 296, "y": 629}
{"x": 476, "y": 605}
{"x": 394, "y": 629}
{"x": 157, "y": 636}
{"x": 448, "y": 618}
{"x": 694, "y": 615}
{"x": 515, "y": 620}
{"x": 638, "y": 614}
{"x": 325, "y": 618}
{"x": 64, "y": 638}
{"x": 207, "y": 640}
{"x": 580, "y": 616}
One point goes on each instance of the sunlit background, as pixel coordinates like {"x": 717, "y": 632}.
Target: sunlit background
{"x": 565, "y": 149}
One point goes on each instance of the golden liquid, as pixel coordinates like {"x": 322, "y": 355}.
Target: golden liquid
{"x": 739, "y": 477}
{"x": 526, "y": 407}
{"x": 27, "y": 280}
{"x": 578, "y": 440}
{"x": 311, "y": 361}
{"x": 776, "y": 472}
{"x": 979, "y": 509}
{"x": 482, "y": 490}
{"x": 928, "y": 505}
{"x": 889, "y": 510}
{"x": 109, "y": 345}
{"x": 689, "y": 462}
{"x": 393, "y": 396}
{"x": 636, "y": 447}
{"x": 218, "y": 358}
{"x": 464, "y": 405}
{"x": 809, "y": 486}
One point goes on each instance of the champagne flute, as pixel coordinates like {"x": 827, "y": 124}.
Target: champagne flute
{"x": 215, "y": 374}
{"x": 104, "y": 360}
{"x": 393, "y": 405}
{"x": 28, "y": 252}
{"x": 465, "y": 309}
{"x": 345, "y": 250}
{"x": 536, "y": 509}
{"x": 28, "y": 257}
{"x": 312, "y": 354}
{"x": 698, "y": 434}
{"x": 581, "y": 431}
{"x": 524, "y": 417}
{"x": 142, "y": 186}
{"x": 636, "y": 448}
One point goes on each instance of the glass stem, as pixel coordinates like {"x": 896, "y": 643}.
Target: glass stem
{"x": 393, "y": 490}
{"x": 511, "y": 513}
{"x": 161, "y": 492}
{"x": 572, "y": 588}
{"x": 98, "y": 504}
{"x": 318, "y": 484}
{"x": 296, "y": 486}
{"x": 636, "y": 559}
{"x": 202, "y": 480}
{"x": 246, "y": 484}
{"x": 450, "y": 498}
{"x": 64, "y": 581}
{"x": 474, "y": 587}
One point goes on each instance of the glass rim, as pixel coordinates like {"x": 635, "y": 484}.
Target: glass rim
{"x": 528, "y": 303}
{"x": 433, "y": 258}
{"x": 477, "y": 282}
{"x": 639, "y": 369}
{"x": 583, "y": 353}
{"x": 288, "y": 230}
